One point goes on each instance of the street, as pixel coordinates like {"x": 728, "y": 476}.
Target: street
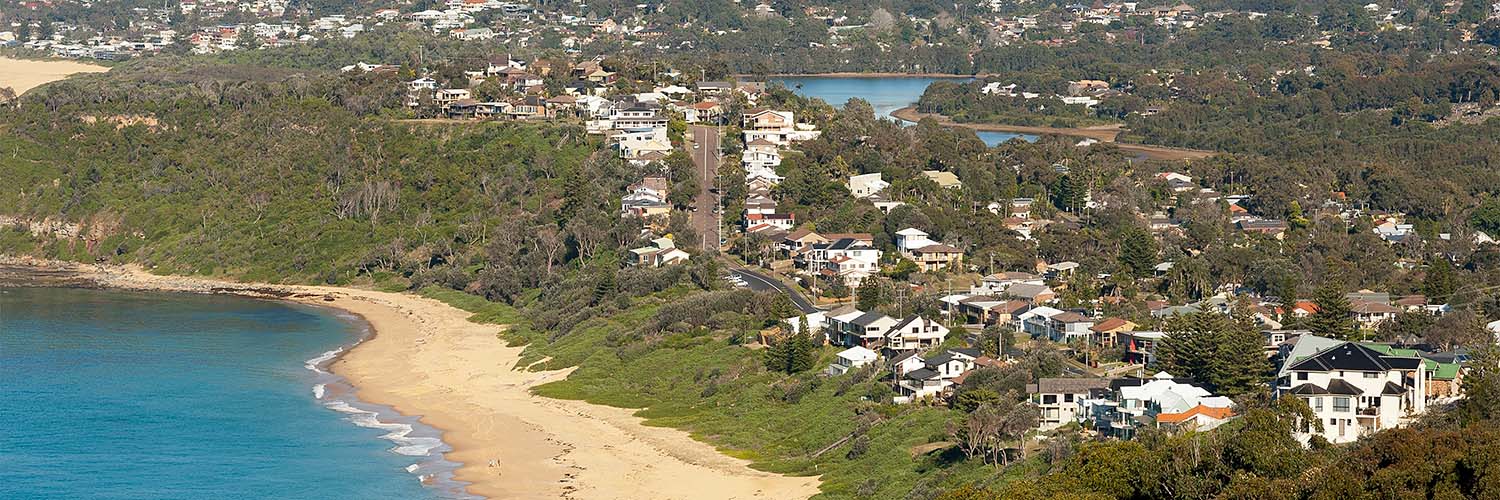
{"x": 760, "y": 282}
{"x": 706, "y": 157}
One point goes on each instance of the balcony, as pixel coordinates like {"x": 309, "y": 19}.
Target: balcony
{"x": 1368, "y": 411}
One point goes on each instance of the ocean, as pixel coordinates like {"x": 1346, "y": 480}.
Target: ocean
{"x": 126, "y": 395}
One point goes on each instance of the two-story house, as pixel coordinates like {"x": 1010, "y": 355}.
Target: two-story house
{"x": 857, "y": 328}
{"x": 915, "y": 333}
{"x": 776, "y": 127}
{"x": 921, "y": 377}
{"x": 1058, "y": 399}
{"x": 1353, "y": 390}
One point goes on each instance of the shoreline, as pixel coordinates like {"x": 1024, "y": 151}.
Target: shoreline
{"x": 424, "y": 358}
{"x": 1103, "y": 133}
{"x": 856, "y": 74}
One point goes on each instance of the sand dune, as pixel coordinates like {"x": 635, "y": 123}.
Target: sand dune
{"x": 428, "y": 359}
{"x": 23, "y": 75}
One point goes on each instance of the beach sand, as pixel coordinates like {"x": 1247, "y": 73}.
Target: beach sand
{"x": 427, "y": 359}
{"x": 23, "y": 75}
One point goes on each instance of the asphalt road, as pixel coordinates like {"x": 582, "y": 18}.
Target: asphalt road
{"x": 760, "y": 283}
{"x": 705, "y": 154}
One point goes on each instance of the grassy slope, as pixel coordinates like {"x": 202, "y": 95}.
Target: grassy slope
{"x": 720, "y": 393}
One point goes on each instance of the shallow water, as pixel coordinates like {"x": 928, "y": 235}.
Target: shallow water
{"x": 885, "y": 94}
{"x": 108, "y": 394}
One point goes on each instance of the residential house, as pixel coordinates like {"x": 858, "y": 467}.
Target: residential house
{"x": 884, "y": 204}
{"x": 1069, "y": 326}
{"x": 911, "y": 238}
{"x": 1143, "y": 401}
{"x": 915, "y": 333}
{"x": 998, "y": 283}
{"x": 773, "y": 126}
{"x": 714, "y": 87}
{"x": 851, "y": 358}
{"x": 936, "y": 256}
{"x": 850, "y": 270}
{"x": 445, "y": 97}
{"x": 1058, "y": 399}
{"x": 1108, "y": 330}
{"x": 1140, "y": 347}
{"x": 944, "y": 179}
{"x": 933, "y": 375}
{"x": 1199, "y": 418}
{"x": 857, "y": 328}
{"x": 646, "y": 199}
{"x": 661, "y": 252}
{"x": 782, "y": 221}
{"x": 989, "y": 310}
{"x": 1353, "y": 390}
{"x": 1031, "y": 293}
{"x": 866, "y": 185}
{"x": 760, "y": 153}
{"x": 818, "y": 254}
{"x": 1036, "y": 321}
{"x": 705, "y": 112}
{"x": 1371, "y": 315}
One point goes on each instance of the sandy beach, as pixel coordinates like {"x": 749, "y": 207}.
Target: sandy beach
{"x": 427, "y": 359}
{"x": 23, "y": 75}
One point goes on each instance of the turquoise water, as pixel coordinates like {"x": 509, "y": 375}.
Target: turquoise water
{"x": 885, "y": 94}
{"x": 120, "y": 395}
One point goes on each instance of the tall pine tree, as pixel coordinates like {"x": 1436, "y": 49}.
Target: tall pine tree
{"x": 1215, "y": 350}
{"x": 1334, "y": 318}
{"x": 1441, "y": 281}
{"x": 1137, "y": 251}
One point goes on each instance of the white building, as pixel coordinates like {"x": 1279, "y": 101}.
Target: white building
{"x": 1354, "y": 390}
{"x": 857, "y": 328}
{"x": 918, "y": 377}
{"x": 866, "y": 185}
{"x": 851, "y": 358}
{"x": 1059, "y": 400}
{"x": 915, "y": 333}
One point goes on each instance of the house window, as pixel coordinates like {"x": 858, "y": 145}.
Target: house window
{"x": 1301, "y": 375}
{"x": 1317, "y": 404}
{"x": 1049, "y": 399}
{"x": 1372, "y": 375}
{"x": 1341, "y": 404}
{"x": 1067, "y": 398}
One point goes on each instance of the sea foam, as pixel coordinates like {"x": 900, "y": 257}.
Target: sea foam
{"x": 396, "y": 432}
{"x": 316, "y": 364}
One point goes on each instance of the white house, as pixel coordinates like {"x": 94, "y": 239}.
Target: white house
{"x": 911, "y": 238}
{"x": 866, "y": 185}
{"x": 1058, "y": 400}
{"x": 1036, "y": 322}
{"x": 817, "y": 255}
{"x": 919, "y": 378}
{"x": 661, "y": 252}
{"x": 776, "y": 127}
{"x": 857, "y": 328}
{"x": 851, "y": 358}
{"x": 915, "y": 333}
{"x": 1353, "y": 390}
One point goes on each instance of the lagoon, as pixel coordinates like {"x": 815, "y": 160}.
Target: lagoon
{"x": 885, "y": 94}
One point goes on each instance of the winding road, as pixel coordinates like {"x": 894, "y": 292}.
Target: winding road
{"x": 760, "y": 282}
